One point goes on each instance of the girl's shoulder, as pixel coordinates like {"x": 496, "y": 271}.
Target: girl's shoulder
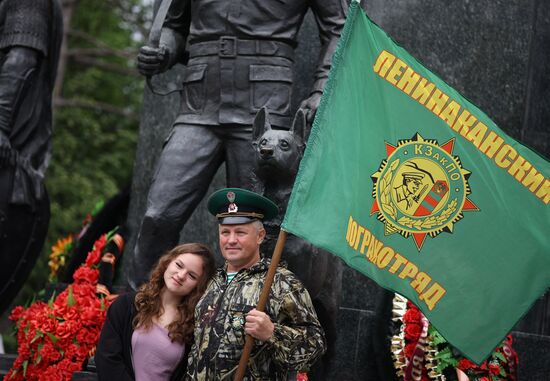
{"x": 124, "y": 301}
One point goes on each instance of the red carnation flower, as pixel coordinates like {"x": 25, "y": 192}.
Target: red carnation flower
{"x": 494, "y": 369}
{"x": 412, "y": 332}
{"x": 93, "y": 258}
{"x": 85, "y": 292}
{"x": 86, "y": 274}
{"x": 65, "y": 330}
{"x": 49, "y": 324}
{"x": 409, "y": 350}
{"x": 49, "y": 353}
{"x": 16, "y": 313}
{"x": 46, "y": 333}
{"x": 412, "y": 316}
{"x": 465, "y": 364}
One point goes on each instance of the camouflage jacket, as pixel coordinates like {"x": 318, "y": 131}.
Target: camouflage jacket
{"x": 297, "y": 342}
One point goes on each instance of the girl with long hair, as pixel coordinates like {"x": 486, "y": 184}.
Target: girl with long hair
{"x": 147, "y": 334}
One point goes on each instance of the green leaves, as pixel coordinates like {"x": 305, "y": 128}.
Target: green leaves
{"x": 70, "y": 298}
{"x": 51, "y": 300}
{"x": 445, "y": 359}
{"x": 499, "y": 356}
{"x": 436, "y": 336}
{"x": 52, "y": 337}
{"x": 37, "y": 336}
{"x": 25, "y": 365}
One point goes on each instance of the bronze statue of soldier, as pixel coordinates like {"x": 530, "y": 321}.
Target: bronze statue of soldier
{"x": 30, "y": 39}
{"x": 238, "y": 58}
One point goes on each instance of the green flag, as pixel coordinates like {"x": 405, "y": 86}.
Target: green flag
{"x": 415, "y": 187}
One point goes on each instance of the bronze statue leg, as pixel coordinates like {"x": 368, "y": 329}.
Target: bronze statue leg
{"x": 188, "y": 162}
{"x": 239, "y": 156}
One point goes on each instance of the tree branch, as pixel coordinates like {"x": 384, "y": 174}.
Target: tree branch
{"x": 114, "y": 68}
{"x": 68, "y": 10}
{"x": 89, "y": 38}
{"x": 103, "y": 52}
{"x": 96, "y": 106}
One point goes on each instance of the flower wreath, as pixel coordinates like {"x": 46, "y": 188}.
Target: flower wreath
{"x": 434, "y": 357}
{"x": 56, "y": 338}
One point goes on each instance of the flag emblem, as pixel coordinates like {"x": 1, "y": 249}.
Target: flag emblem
{"x": 420, "y": 189}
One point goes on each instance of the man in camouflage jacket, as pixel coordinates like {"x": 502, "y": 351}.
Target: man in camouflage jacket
{"x": 289, "y": 337}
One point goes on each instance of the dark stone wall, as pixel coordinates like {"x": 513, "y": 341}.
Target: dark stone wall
{"x": 535, "y": 126}
{"x": 481, "y": 48}
{"x": 495, "y": 52}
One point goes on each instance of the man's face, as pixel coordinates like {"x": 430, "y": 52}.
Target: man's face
{"x": 240, "y": 245}
{"x": 413, "y": 185}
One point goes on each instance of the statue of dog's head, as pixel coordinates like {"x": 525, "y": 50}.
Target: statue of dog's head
{"x": 278, "y": 152}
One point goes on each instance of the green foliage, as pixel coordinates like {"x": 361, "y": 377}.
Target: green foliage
{"x": 499, "y": 356}
{"x": 444, "y": 357}
{"x": 93, "y": 148}
{"x": 436, "y": 336}
{"x": 70, "y": 298}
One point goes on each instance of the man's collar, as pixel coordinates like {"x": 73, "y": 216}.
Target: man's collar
{"x": 261, "y": 265}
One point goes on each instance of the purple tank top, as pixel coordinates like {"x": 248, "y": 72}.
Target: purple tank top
{"x": 154, "y": 356}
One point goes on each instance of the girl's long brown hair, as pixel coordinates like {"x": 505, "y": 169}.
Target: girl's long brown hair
{"x": 148, "y": 300}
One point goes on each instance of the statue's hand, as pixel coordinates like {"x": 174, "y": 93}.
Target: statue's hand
{"x": 310, "y": 105}
{"x": 5, "y": 150}
{"x": 151, "y": 61}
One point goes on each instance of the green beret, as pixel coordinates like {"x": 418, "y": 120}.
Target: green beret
{"x": 233, "y": 206}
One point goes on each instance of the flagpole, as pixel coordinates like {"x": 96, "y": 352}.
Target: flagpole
{"x": 261, "y": 302}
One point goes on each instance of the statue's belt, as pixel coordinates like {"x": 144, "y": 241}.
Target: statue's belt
{"x": 231, "y": 47}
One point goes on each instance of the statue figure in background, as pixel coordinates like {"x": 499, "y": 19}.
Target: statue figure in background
{"x": 30, "y": 40}
{"x": 238, "y": 58}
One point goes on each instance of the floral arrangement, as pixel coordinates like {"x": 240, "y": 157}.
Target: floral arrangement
{"x": 56, "y": 338}
{"x": 420, "y": 339}
{"x": 63, "y": 248}
{"x": 412, "y": 340}
{"x": 59, "y": 255}
{"x": 500, "y": 366}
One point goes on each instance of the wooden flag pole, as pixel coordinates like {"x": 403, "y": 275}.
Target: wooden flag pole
{"x": 249, "y": 342}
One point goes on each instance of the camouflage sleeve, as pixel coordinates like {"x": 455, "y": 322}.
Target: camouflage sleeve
{"x": 298, "y": 339}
